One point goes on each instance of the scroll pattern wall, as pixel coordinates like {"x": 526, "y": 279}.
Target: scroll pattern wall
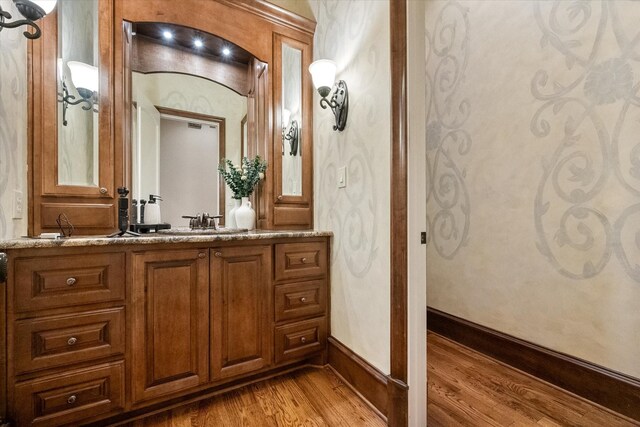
{"x": 546, "y": 167}
{"x": 13, "y": 125}
{"x": 582, "y": 237}
{"x": 355, "y": 34}
{"x": 448, "y": 209}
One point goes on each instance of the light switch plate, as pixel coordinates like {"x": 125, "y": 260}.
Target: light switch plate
{"x": 18, "y": 204}
{"x": 342, "y": 177}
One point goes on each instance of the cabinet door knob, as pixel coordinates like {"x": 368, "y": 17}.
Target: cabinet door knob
{"x": 202, "y": 255}
{"x": 103, "y": 190}
{"x": 303, "y": 340}
{"x": 71, "y": 281}
{"x": 280, "y": 197}
{"x": 72, "y": 399}
{"x": 72, "y": 340}
{"x": 218, "y": 254}
{"x": 303, "y": 299}
{"x": 304, "y": 260}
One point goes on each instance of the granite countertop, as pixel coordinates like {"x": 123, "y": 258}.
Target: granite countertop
{"x": 152, "y": 238}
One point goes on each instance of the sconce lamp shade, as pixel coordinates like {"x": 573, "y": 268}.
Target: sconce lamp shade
{"x": 286, "y": 116}
{"x": 32, "y": 10}
{"x": 46, "y": 5}
{"x": 60, "y": 69}
{"x": 323, "y": 74}
{"x": 84, "y": 77}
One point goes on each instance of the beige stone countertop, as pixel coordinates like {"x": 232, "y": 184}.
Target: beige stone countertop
{"x": 153, "y": 238}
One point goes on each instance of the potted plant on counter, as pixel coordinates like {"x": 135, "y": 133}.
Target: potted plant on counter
{"x": 242, "y": 180}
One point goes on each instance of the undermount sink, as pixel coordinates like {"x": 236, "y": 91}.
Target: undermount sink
{"x": 200, "y": 231}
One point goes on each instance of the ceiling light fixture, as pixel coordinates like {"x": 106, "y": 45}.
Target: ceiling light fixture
{"x": 226, "y": 51}
{"x": 323, "y": 74}
{"x": 168, "y": 35}
{"x": 32, "y": 10}
{"x": 198, "y": 43}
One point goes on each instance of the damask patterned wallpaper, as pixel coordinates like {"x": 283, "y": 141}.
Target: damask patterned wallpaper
{"x": 355, "y": 34}
{"x": 13, "y": 125}
{"x": 534, "y": 171}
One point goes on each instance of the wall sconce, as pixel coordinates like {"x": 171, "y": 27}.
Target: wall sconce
{"x": 32, "y": 10}
{"x": 85, "y": 79}
{"x": 291, "y": 134}
{"x": 323, "y": 74}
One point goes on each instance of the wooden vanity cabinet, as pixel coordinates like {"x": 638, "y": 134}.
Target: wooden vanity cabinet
{"x": 169, "y": 322}
{"x": 240, "y": 305}
{"x": 149, "y": 324}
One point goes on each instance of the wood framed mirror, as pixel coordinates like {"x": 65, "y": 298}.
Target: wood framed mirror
{"x": 73, "y": 164}
{"x": 90, "y": 202}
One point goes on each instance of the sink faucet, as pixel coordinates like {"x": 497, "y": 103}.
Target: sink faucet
{"x": 203, "y": 220}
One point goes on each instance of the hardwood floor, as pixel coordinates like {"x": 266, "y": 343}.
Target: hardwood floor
{"x": 309, "y": 397}
{"x": 466, "y": 388}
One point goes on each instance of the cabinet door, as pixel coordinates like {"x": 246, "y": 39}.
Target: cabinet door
{"x": 170, "y": 322}
{"x": 241, "y": 327}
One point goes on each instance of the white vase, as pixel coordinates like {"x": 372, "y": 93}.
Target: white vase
{"x": 231, "y": 219}
{"x": 245, "y": 215}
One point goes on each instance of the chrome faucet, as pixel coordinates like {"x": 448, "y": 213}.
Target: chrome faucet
{"x": 203, "y": 220}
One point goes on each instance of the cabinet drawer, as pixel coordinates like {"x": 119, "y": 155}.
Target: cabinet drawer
{"x": 64, "y": 281}
{"x": 300, "y": 339}
{"x": 58, "y": 341}
{"x": 300, "y": 300}
{"x": 297, "y": 260}
{"x": 71, "y": 397}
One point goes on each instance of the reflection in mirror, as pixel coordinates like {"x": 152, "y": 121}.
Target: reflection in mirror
{"x": 77, "y": 92}
{"x": 291, "y": 121}
{"x": 189, "y": 111}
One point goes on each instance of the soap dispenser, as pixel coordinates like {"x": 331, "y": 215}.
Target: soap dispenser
{"x": 152, "y": 210}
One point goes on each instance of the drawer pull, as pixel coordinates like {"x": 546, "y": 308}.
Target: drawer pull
{"x": 201, "y": 255}
{"x": 303, "y": 299}
{"x": 72, "y": 340}
{"x": 304, "y": 260}
{"x": 71, "y": 281}
{"x": 72, "y": 399}
{"x": 218, "y": 254}
{"x": 303, "y": 340}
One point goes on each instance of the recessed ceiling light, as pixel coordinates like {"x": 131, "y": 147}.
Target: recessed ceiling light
{"x": 198, "y": 43}
{"x": 167, "y": 34}
{"x": 226, "y": 51}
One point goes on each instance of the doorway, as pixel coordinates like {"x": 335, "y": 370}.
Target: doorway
{"x": 189, "y": 153}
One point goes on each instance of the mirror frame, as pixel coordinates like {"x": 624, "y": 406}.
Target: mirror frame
{"x": 294, "y": 208}
{"x": 238, "y": 22}
{"x": 93, "y": 212}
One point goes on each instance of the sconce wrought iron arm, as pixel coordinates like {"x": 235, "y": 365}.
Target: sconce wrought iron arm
{"x": 339, "y": 104}
{"x": 15, "y": 24}
{"x": 293, "y": 138}
{"x": 67, "y": 99}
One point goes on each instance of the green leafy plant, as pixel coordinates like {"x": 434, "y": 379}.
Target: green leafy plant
{"x": 242, "y": 179}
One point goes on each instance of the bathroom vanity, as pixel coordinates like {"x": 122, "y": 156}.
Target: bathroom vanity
{"x": 104, "y": 329}
{"x": 99, "y": 330}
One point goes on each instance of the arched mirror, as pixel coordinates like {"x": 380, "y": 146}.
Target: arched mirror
{"x": 191, "y": 93}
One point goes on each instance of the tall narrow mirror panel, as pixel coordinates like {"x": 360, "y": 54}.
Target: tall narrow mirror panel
{"x": 78, "y": 85}
{"x": 291, "y": 121}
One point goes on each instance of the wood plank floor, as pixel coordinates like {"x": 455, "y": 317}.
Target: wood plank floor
{"x": 309, "y": 397}
{"x": 466, "y": 388}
